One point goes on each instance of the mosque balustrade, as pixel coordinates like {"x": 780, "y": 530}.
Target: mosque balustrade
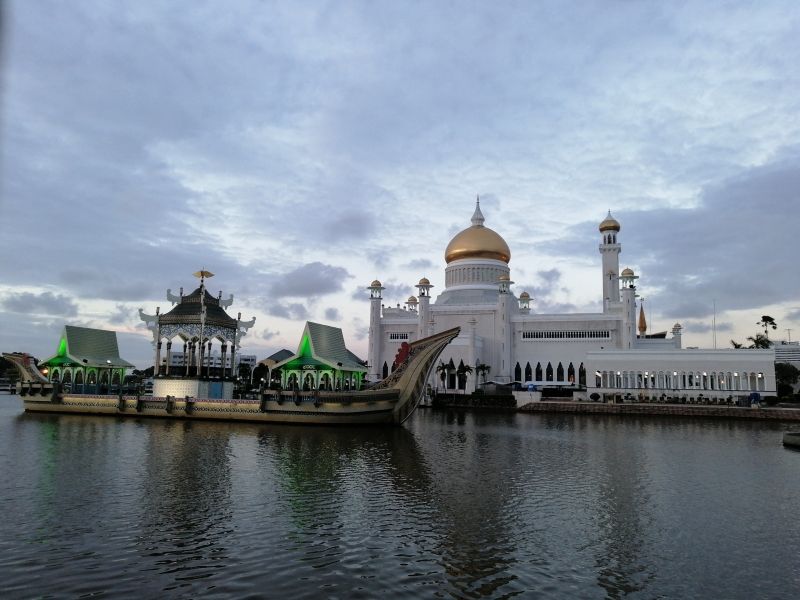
{"x": 721, "y": 382}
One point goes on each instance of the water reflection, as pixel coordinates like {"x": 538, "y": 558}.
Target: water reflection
{"x": 473, "y": 489}
{"x": 185, "y": 502}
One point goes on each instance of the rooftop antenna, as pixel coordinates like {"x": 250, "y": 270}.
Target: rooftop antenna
{"x": 789, "y": 334}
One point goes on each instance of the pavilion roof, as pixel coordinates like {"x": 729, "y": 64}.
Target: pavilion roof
{"x": 188, "y": 310}
{"x": 88, "y": 347}
{"x": 323, "y": 345}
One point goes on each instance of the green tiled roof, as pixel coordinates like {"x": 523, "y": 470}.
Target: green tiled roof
{"x": 92, "y": 347}
{"x": 323, "y": 345}
{"x": 328, "y": 345}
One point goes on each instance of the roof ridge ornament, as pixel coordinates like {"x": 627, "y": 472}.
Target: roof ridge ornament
{"x": 477, "y": 216}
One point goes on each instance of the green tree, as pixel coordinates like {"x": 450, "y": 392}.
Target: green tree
{"x": 786, "y": 376}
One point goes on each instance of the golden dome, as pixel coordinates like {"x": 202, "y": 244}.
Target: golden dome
{"x": 627, "y": 272}
{"x": 411, "y": 300}
{"x": 477, "y": 242}
{"x": 609, "y": 224}
{"x": 424, "y": 281}
{"x": 524, "y": 296}
{"x": 375, "y": 283}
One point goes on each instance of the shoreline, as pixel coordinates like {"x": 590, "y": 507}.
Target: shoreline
{"x": 672, "y": 410}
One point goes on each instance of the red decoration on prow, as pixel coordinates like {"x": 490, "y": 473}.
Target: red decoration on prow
{"x": 402, "y": 354}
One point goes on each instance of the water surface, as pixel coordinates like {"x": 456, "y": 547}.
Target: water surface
{"x": 451, "y": 505}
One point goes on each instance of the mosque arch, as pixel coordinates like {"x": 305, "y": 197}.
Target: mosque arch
{"x": 539, "y": 372}
{"x": 581, "y": 375}
{"x": 115, "y": 379}
{"x": 560, "y": 372}
{"x": 517, "y": 373}
{"x": 385, "y": 370}
{"x": 571, "y": 373}
{"x": 528, "y": 372}
{"x": 67, "y": 376}
{"x": 549, "y": 372}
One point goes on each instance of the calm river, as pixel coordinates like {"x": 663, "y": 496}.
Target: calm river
{"x": 448, "y": 506}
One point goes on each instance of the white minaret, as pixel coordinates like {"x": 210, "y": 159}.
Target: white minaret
{"x": 628, "y": 279}
{"x": 424, "y": 286}
{"x": 375, "y": 333}
{"x": 609, "y": 250}
{"x": 504, "y": 335}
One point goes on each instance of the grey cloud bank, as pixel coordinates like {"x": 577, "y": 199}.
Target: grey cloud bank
{"x": 301, "y": 151}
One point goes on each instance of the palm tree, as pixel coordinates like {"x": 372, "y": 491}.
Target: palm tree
{"x": 767, "y": 322}
{"x": 462, "y": 371}
{"x": 759, "y": 341}
{"x": 442, "y": 369}
{"x": 482, "y": 370}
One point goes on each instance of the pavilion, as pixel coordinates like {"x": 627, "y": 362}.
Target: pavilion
{"x": 322, "y": 362}
{"x": 86, "y": 359}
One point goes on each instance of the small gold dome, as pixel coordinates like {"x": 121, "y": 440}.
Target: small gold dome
{"x": 627, "y": 272}
{"x": 375, "y": 283}
{"x": 477, "y": 242}
{"x": 609, "y": 224}
{"x": 524, "y": 296}
{"x": 504, "y": 277}
{"x": 424, "y": 281}
{"x": 411, "y": 300}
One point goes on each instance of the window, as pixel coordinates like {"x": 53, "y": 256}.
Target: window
{"x": 398, "y": 336}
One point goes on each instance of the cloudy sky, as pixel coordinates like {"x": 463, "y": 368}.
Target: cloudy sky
{"x": 300, "y": 150}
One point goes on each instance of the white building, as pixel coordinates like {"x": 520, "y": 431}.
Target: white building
{"x": 514, "y": 343}
{"x": 177, "y": 359}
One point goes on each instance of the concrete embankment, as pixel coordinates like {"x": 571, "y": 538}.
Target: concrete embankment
{"x": 673, "y": 410}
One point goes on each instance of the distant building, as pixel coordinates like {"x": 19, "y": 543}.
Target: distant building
{"x": 787, "y": 352}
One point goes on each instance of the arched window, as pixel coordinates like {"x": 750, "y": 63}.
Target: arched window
{"x": 528, "y": 372}
{"x": 79, "y": 378}
{"x": 385, "y": 370}
{"x": 581, "y": 375}
{"x": 571, "y": 373}
{"x": 517, "y": 373}
{"x": 539, "y": 372}
{"x": 67, "y": 377}
{"x": 549, "y": 372}
{"x": 560, "y": 372}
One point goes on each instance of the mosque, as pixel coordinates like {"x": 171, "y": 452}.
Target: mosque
{"x": 504, "y": 340}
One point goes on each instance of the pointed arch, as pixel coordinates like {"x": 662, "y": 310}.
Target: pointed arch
{"x": 539, "y": 372}
{"x": 549, "y": 372}
{"x": 571, "y": 373}
{"x": 517, "y": 373}
{"x": 528, "y": 372}
{"x": 385, "y": 370}
{"x": 560, "y": 372}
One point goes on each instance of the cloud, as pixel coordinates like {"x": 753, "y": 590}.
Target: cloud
{"x": 722, "y": 249}
{"x": 706, "y": 327}
{"x": 268, "y": 335}
{"x": 309, "y": 281}
{"x": 333, "y": 314}
{"x": 293, "y": 311}
{"x": 793, "y": 315}
{"x": 121, "y": 314}
{"x": 419, "y": 264}
{"x": 45, "y": 303}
